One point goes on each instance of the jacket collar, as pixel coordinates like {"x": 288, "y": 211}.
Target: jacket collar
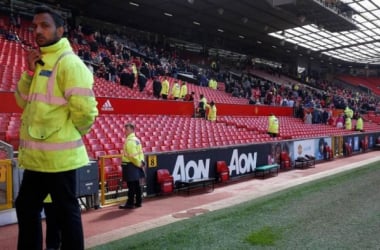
{"x": 63, "y": 43}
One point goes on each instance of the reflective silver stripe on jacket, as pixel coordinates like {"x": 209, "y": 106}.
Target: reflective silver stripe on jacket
{"x": 50, "y": 146}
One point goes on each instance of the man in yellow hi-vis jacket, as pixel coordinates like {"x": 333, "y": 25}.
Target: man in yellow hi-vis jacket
{"x": 59, "y": 107}
{"x": 273, "y": 125}
{"x": 132, "y": 166}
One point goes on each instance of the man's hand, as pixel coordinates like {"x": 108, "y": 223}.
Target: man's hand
{"x": 32, "y": 58}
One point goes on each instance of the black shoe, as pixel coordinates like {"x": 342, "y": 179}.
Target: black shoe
{"x": 138, "y": 205}
{"x": 126, "y": 206}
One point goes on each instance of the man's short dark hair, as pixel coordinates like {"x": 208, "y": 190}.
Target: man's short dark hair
{"x": 58, "y": 19}
{"x": 130, "y": 125}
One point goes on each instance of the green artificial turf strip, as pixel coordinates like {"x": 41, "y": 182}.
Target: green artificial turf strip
{"x": 336, "y": 212}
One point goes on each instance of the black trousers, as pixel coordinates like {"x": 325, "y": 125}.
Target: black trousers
{"x": 53, "y": 231}
{"x": 34, "y": 188}
{"x": 134, "y": 193}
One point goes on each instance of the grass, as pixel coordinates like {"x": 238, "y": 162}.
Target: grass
{"x": 337, "y": 212}
{"x": 264, "y": 237}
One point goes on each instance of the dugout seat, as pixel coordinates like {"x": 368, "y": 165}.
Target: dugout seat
{"x": 347, "y": 149}
{"x": 363, "y": 145}
{"x": 165, "y": 181}
{"x": 222, "y": 171}
{"x": 328, "y": 154}
{"x": 285, "y": 162}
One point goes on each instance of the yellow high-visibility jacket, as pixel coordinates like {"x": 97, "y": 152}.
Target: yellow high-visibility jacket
{"x": 165, "y": 88}
{"x": 349, "y": 112}
{"x": 183, "y": 91}
{"x": 132, "y": 151}
{"x": 211, "y": 116}
{"x": 204, "y": 101}
{"x": 348, "y": 123}
{"x": 359, "y": 124}
{"x": 273, "y": 124}
{"x": 59, "y": 107}
{"x": 213, "y": 84}
{"x": 176, "y": 90}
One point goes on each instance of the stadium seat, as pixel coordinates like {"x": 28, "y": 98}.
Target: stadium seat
{"x": 165, "y": 181}
{"x": 347, "y": 149}
{"x": 377, "y": 145}
{"x": 222, "y": 171}
{"x": 328, "y": 155}
{"x": 363, "y": 145}
{"x": 285, "y": 162}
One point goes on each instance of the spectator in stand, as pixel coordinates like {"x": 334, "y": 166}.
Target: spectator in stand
{"x": 112, "y": 72}
{"x": 256, "y": 93}
{"x": 340, "y": 121}
{"x": 291, "y": 102}
{"x": 359, "y": 124}
{"x": 308, "y": 118}
{"x": 3, "y": 27}
{"x": 202, "y": 80}
{"x": 236, "y": 92}
{"x": 211, "y": 116}
{"x": 141, "y": 82}
{"x": 189, "y": 97}
{"x": 273, "y": 125}
{"x": 126, "y": 78}
{"x": 165, "y": 89}
{"x": 325, "y": 116}
{"x": 145, "y": 70}
{"x": 90, "y": 68}
{"x": 269, "y": 98}
{"x": 156, "y": 87}
{"x": 176, "y": 90}
{"x": 252, "y": 100}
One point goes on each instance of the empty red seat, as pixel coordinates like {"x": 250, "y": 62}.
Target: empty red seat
{"x": 165, "y": 181}
{"x": 285, "y": 162}
{"x": 328, "y": 153}
{"x": 364, "y": 145}
{"x": 222, "y": 171}
{"x": 347, "y": 149}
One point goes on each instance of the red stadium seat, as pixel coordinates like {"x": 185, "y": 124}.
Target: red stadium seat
{"x": 222, "y": 170}
{"x": 285, "y": 162}
{"x": 165, "y": 181}
{"x": 328, "y": 153}
{"x": 347, "y": 149}
{"x": 363, "y": 145}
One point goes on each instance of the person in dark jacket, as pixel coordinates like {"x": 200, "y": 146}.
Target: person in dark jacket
{"x": 141, "y": 80}
{"x": 156, "y": 87}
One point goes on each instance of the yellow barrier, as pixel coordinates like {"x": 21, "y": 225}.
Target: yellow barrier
{"x": 7, "y": 182}
{"x": 113, "y": 185}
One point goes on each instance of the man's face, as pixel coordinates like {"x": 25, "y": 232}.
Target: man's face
{"x": 128, "y": 130}
{"x": 44, "y": 29}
